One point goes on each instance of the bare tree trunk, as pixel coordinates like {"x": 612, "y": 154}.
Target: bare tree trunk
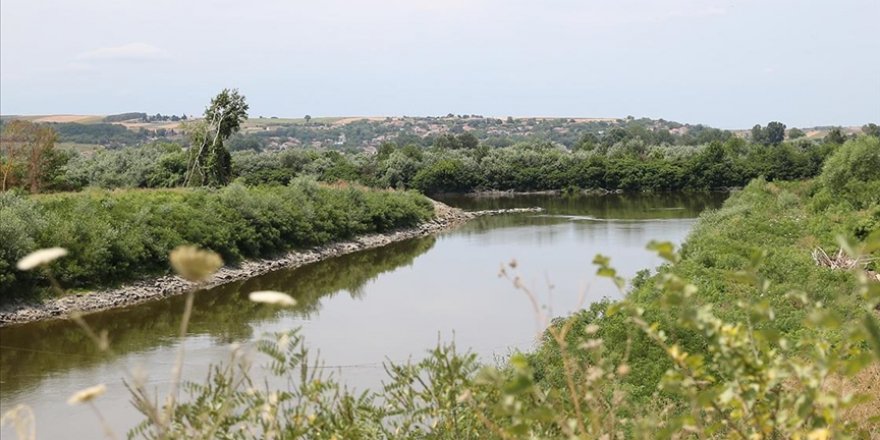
{"x": 195, "y": 165}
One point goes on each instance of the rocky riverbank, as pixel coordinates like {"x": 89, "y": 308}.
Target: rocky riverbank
{"x": 165, "y": 286}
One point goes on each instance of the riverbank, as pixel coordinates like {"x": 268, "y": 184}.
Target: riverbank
{"x": 155, "y": 288}
{"x": 494, "y": 193}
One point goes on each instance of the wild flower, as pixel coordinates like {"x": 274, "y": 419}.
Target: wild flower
{"x": 40, "y": 257}
{"x": 194, "y": 264}
{"x": 272, "y": 297}
{"x": 87, "y": 394}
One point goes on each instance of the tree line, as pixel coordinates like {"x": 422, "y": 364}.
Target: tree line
{"x": 633, "y": 157}
{"x": 457, "y": 164}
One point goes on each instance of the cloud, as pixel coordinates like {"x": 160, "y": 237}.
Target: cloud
{"x": 126, "y": 52}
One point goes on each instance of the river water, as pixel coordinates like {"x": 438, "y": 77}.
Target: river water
{"x": 358, "y": 310}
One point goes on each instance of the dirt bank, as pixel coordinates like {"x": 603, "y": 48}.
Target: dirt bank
{"x": 165, "y": 286}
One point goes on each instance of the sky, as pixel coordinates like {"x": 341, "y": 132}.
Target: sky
{"x": 729, "y": 64}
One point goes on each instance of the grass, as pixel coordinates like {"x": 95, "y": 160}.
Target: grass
{"x": 767, "y": 225}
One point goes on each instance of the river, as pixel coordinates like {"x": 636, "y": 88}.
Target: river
{"x": 359, "y": 309}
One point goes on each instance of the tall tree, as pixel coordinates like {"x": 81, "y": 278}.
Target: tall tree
{"x": 796, "y": 133}
{"x": 758, "y": 134}
{"x": 25, "y": 148}
{"x": 774, "y": 134}
{"x": 210, "y": 162}
{"x": 835, "y": 136}
{"x": 871, "y": 129}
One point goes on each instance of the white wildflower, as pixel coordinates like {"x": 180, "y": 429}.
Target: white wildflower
{"x": 194, "y": 264}
{"x": 87, "y": 395}
{"x": 40, "y": 258}
{"x": 272, "y": 297}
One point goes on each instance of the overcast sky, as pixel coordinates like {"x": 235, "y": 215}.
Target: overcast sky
{"x": 730, "y": 64}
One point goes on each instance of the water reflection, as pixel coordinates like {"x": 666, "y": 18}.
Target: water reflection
{"x": 625, "y": 206}
{"x": 33, "y": 351}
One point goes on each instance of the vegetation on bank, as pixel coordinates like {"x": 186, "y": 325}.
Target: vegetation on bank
{"x": 741, "y": 335}
{"x": 750, "y": 260}
{"x": 634, "y": 156}
{"x": 631, "y": 165}
{"x": 114, "y": 236}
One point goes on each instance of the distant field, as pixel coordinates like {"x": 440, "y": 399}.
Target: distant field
{"x": 150, "y": 125}
{"x": 260, "y": 123}
{"x": 265, "y": 122}
{"x": 79, "y": 119}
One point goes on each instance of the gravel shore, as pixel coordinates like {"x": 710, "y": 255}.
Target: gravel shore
{"x": 165, "y": 286}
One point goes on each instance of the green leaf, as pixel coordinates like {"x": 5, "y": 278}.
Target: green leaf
{"x": 606, "y": 272}
{"x": 518, "y": 385}
{"x": 873, "y": 333}
{"x": 601, "y": 260}
{"x": 664, "y": 249}
{"x": 519, "y": 361}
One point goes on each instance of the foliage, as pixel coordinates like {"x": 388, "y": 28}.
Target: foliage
{"x": 27, "y": 155}
{"x": 116, "y": 236}
{"x": 795, "y": 133}
{"x": 740, "y": 335}
{"x": 210, "y": 163}
{"x": 745, "y": 380}
{"x": 109, "y": 135}
{"x": 853, "y": 172}
{"x": 121, "y": 117}
{"x": 631, "y": 164}
{"x": 772, "y": 134}
{"x": 155, "y": 165}
{"x": 444, "y": 175}
{"x": 835, "y": 136}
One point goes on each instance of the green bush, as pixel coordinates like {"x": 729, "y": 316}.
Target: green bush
{"x": 766, "y": 217}
{"x": 116, "y": 236}
{"x": 445, "y": 175}
{"x": 853, "y": 172}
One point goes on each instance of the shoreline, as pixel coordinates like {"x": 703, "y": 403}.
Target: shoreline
{"x": 495, "y": 193}
{"x": 156, "y": 288}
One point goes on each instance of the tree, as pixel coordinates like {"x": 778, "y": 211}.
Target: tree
{"x": 308, "y": 119}
{"x": 871, "y": 129}
{"x": 385, "y": 150}
{"x": 25, "y": 152}
{"x": 210, "y": 162}
{"x": 796, "y": 133}
{"x": 587, "y": 142}
{"x": 757, "y": 134}
{"x": 835, "y": 136}
{"x": 446, "y": 141}
{"x": 468, "y": 141}
{"x": 773, "y": 134}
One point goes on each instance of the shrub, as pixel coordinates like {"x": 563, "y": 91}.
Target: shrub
{"x": 116, "y": 236}
{"x": 853, "y": 172}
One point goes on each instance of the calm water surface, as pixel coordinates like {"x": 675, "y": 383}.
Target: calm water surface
{"x": 357, "y": 310}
